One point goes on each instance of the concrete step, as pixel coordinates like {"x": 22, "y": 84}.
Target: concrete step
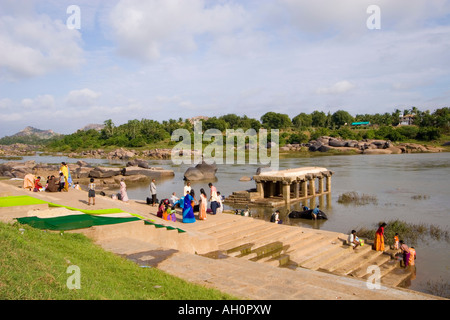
{"x": 226, "y": 228}
{"x": 304, "y": 246}
{"x": 353, "y": 265}
{"x": 276, "y": 261}
{"x": 125, "y": 246}
{"x": 396, "y": 276}
{"x": 236, "y": 231}
{"x": 271, "y": 249}
{"x": 216, "y": 224}
{"x": 289, "y": 235}
{"x": 377, "y": 259}
{"x": 349, "y": 256}
{"x": 258, "y": 238}
{"x": 249, "y": 237}
{"x": 385, "y": 268}
{"x": 322, "y": 257}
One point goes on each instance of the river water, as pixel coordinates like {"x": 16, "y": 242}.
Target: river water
{"x": 393, "y": 179}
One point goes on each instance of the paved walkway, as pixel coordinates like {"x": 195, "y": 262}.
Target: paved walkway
{"x": 240, "y": 277}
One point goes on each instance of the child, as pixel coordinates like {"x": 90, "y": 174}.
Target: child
{"x": 219, "y": 200}
{"x": 91, "y": 192}
{"x": 62, "y": 182}
{"x": 37, "y": 185}
{"x": 396, "y": 241}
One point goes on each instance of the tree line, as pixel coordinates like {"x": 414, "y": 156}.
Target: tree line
{"x": 303, "y": 127}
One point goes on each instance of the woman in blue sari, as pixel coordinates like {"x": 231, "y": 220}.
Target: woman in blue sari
{"x": 188, "y": 211}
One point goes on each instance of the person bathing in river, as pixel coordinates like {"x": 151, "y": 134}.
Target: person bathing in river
{"x": 315, "y": 212}
{"x": 405, "y": 253}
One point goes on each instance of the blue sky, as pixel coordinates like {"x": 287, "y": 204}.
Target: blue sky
{"x": 163, "y": 59}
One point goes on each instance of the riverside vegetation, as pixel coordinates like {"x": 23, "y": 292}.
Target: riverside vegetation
{"x": 427, "y": 126}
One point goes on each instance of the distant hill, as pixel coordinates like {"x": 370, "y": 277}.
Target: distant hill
{"x": 30, "y": 131}
{"x": 31, "y": 136}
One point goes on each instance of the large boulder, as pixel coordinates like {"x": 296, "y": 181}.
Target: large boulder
{"x": 156, "y": 173}
{"x": 138, "y": 163}
{"x": 201, "y": 171}
{"x": 102, "y": 172}
{"x": 337, "y": 143}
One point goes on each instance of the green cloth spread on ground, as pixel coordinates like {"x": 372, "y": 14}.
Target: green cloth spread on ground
{"x": 72, "y": 222}
{"x": 14, "y": 201}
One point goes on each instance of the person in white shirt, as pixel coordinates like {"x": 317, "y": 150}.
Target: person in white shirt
{"x": 353, "y": 239}
{"x": 187, "y": 188}
{"x": 213, "y": 198}
{"x": 173, "y": 198}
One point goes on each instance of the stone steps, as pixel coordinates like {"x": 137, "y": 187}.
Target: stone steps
{"x": 292, "y": 247}
{"x": 235, "y": 231}
{"x": 348, "y": 257}
{"x": 317, "y": 259}
{"x": 372, "y": 258}
{"x": 259, "y": 238}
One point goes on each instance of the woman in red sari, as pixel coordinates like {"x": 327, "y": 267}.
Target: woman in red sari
{"x": 379, "y": 238}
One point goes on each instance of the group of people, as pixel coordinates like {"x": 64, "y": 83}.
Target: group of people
{"x": 188, "y": 203}
{"x": 408, "y": 253}
{"x": 59, "y": 183}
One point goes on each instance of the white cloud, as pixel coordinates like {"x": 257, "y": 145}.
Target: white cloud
{"x": 34, "y": 44}
{"x": 82, "y": 98}
{"x": 41, "y": 102}
{"x": 337, "y": 88}
{"x": 146, "y": 30}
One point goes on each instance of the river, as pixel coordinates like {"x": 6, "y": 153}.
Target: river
{"x": 393, "y": 179}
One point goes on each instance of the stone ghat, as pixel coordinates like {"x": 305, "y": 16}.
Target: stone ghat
{"x": 295, "y": 247}
{"x": 277, "y": 188}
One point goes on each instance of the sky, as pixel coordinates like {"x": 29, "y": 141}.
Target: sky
{"x": 62, "y": 69}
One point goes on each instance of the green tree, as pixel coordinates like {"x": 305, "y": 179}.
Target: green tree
{"x": 274, "y": 120}
{"x": 340, "y": 118}
{"x": 302, "y": 120}
{"x": 319, "y": 119}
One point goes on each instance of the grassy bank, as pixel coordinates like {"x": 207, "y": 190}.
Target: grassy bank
{"x": 34, "y": 265}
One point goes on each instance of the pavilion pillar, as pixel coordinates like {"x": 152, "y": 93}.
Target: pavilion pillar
{"x": 320, "y": 185}
{"x": 328, "y": 183}
{"x": 304, "y": 188}
{"x": 260, "y": 189}
{"x": 286, "y": 192}
{"x": 296, "y": 187}
{"x": 312, "y": 188}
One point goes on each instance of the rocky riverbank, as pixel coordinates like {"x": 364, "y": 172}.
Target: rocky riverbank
{"x": 325, "y": 144}
{"x": 136, "y": 171}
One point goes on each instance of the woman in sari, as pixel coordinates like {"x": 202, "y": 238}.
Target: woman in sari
{"x": 123, "y": 191}
{"x": 65, "y": 171}
{"x": 203, "y": 205}
{"x": 188, "y": 211}
{"x": 379, "y": 238}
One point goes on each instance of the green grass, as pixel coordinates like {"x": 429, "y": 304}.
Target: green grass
{"x": 33, "y": 266}
{"x": 356, "y": 199}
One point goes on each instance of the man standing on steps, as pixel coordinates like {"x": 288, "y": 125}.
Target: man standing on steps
{"x": 213, "y": 198}
{"x": 153, "y": 192}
